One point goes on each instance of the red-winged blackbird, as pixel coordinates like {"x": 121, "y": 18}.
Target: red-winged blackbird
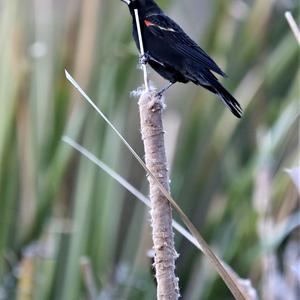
{"x": 174, "y": 55}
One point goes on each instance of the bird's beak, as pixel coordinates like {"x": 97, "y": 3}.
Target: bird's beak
{"x": 126, "y": 1}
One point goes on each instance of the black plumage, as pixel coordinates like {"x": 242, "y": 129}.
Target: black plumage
{"x": 174, "y": 55}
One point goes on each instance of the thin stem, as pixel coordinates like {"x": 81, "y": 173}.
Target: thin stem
{"x": 138, "y": 26}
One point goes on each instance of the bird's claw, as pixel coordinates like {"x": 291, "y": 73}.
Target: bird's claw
{"x": 159, "y": 94}
{"x": 144, "y": 59}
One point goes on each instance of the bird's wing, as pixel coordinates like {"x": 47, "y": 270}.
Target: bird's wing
{"x": 166, "y": 29}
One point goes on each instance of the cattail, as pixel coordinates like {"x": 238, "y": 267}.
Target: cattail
{"x": 150, "y": 107}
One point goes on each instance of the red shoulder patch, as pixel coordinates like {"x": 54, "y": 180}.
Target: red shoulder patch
{"x": 148, "y": 23}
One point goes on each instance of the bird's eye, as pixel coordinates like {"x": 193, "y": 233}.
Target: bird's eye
{"x": 127, "y": 1}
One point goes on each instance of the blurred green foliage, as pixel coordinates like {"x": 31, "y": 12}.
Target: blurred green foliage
{"x": 228, "y": 175}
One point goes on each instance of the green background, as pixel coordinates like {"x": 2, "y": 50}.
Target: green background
{"x": 62, "y": 219}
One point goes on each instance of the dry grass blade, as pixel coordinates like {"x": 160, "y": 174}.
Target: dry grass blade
{"x": 294, "y": 173}
{"x": 88, "y": 278}
{"x": 243, "y": 283}
{"x": 216, "y": 262}
{"x": 293, "y": 25}
{"x": 130, "y": 188}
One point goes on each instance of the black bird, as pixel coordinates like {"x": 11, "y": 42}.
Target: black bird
{"x": 174, "y": 55}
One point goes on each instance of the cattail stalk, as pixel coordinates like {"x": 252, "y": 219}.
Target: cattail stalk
{"x": 150, "y": 107}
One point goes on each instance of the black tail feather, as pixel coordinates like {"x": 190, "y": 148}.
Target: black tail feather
{"x": 210, "y": 82}
{"x": 228, "y": 100}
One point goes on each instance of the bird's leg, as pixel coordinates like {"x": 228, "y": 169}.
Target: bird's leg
{"x": 144, "y": 59}
{"x": 160, "y": 93}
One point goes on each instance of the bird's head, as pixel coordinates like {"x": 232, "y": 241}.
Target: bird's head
{"x": 128, "y": 2}
{"x": 142, "y": 5}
